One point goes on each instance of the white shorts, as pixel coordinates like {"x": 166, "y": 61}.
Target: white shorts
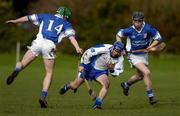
{"x": 140, "y": 58}
{"x": 44, "y": 47}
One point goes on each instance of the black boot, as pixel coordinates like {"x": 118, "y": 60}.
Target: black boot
{"x": 64, "y": 89}
{"x": 125, "y": 89}
{"x": 11, "y": 77}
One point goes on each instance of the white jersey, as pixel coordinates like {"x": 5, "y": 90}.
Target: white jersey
{"x": 100, "y": 57}
{"x": 103, "y": 60}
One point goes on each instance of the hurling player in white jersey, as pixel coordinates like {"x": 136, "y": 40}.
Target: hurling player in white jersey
{"x": 51, "y": 30}
{"x": 96, "y": 62}
{"x": 139, "y": 36}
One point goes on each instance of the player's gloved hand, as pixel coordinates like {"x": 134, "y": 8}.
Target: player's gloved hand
{"x": 110, "y": 66}
{"x": 111, "y": 71}
{"x": 116, "y": 72}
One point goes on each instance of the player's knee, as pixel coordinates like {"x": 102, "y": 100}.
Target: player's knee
{"x": 146, "y": 73}
{"x": 139, "y": 78}
{"x": 106, "y": 84}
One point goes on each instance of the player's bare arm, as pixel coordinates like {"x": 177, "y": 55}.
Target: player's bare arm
{"x": 118, "y": 38}
{"x": 75, "y": 44}
{"x": 19, "y": 20}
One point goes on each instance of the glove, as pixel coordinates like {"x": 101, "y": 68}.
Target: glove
{"x": 111, "y": 71}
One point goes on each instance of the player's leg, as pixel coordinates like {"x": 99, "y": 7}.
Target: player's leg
{"x": 47, "y": 49}
{"x": 27, "y": 59}
{"x": 135, "y": 78}
{"x": 134, "y": 60}
{"x": 49, "y": 67}
{"x": 147, "y": 81}
{"x": 72, "y": 85}
{"x": 146, "y": 74}
{"x": 104, "y": 82}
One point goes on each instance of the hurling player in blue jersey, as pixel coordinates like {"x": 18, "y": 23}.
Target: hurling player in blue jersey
{"x": 139, "y": 36}
{"x": 52, "y": 28}
{"x": 95, "y": 64}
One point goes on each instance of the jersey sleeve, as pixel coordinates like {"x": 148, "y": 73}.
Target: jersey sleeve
{"x": 154, "y": 33}
{"x": 123, "y": 32}
{"x": 68, "y": 30}
{"x": 35, "y": 18}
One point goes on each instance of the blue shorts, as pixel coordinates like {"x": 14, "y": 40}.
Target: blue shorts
{"x": 90, "y": 73}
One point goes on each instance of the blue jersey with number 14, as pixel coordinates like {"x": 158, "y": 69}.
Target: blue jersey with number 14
{"x": 51, "y": 26}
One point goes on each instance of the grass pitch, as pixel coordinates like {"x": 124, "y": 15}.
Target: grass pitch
{"x": 21, "y": 98}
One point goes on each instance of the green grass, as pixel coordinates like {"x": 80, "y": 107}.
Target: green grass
{"x": 20, "y": 98}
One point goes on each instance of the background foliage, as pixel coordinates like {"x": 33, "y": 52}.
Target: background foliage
{"x": 94, "y": 21}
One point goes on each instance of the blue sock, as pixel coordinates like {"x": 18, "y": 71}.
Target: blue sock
{"x": 17, "y": 69}
{"x": 82, "y": 74}
{"x": 67, "y": 86}
{"x": 126, "y": 85}
{"x": 150, "y": 93}
{"x": 43, "y": 94}
{"x": 98, "y": 101}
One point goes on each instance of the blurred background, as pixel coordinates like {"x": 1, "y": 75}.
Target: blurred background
{"x": 95, "y": 21}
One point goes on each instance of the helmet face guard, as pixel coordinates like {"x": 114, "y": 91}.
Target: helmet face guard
{"x": 65, "y": 12}
{"x": 138, "y": 16}
{"x": 118, "y": 47}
